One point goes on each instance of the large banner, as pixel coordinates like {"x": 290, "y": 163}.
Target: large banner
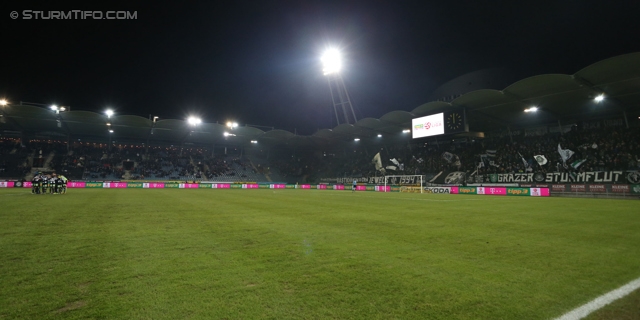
{"x": 449, "y": 177}
{"x": 377, "y": 180}
{"x": 632, "y": 177}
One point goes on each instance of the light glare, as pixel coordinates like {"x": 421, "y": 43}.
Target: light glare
{"x": 599, "y": 98}
{"x": 3, "y": 102}
{"x": 331, "y": 61}
{"x": 194, "y": 121}
{"x": 532, "y": 109}
{"x": 406, "y": 131}
{"x": 109, "y": 113}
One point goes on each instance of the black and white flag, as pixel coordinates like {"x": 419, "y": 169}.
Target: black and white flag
{"x": 565, "y": 154}
{"x": 540, "y": 159}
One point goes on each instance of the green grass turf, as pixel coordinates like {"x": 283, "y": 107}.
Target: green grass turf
{"x": 308, "y": 254}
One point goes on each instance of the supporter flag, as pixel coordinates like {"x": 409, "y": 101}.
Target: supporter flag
{"x": 397, "y": 163}
{"x": 494, "y": 164}
{"x": 484, "y": 158}
{"x": 526, "y": 164}
{"x": 392, "y": 168}
{"x": 542, "y": 160}
{"x": 377, "y": 162}
{"x": 577, "y": 164}
{"x": 565, "y": 154}
{"x": 480, "y": 164}
{"x": 491, "y": 153}
{"x": 448, "y": 156}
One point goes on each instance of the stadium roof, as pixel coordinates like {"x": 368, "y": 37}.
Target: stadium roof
{"x": 560, "y": 98}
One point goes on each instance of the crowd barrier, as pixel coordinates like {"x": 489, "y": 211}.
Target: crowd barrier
{"x": 498, "y": 191}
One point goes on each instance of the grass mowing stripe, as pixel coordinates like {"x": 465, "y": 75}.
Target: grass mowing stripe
{"x": 601, "y": 301}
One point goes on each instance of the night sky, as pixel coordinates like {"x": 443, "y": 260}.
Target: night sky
{"x": 258, "y": 62}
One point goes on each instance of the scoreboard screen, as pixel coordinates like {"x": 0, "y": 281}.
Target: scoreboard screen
{"x": 432, "y": 125}
{"x": 449, "y": 122}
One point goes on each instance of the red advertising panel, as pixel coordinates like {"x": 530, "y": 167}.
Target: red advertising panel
{"x": 579, "y": 188}
{"x": 361, "y": 188}
{"x": 620, "y": 188}
{"x": 597, "y": 188}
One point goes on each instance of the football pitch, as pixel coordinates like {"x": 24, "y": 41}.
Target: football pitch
{"x": 311, "y": 254}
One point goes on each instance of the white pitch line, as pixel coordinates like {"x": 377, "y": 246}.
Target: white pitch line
{"x": 601, "y": 301}
{"x": 13, "y": 194}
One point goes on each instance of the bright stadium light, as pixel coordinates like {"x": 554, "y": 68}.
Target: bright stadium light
{"x": 194, "y": 121}
{"x": 3, "y": 102}
{"x": 356, "y": 139}
{"x": 254, "y": 141}
{"x": 232, "y": 124}
{"x": 406, "y": 131}
{"x": 108, "y": 112}
{"x": 110, "y": 131}
{"x": 54, "y": 107}
{"x": 108, "y": 124}
{"x": 379, "y": 135}
{"x": 599, "y": 98}
{"x": 532, "y": 109}
{"x": 331, "y": 61}
{"x": 63, "y": 108}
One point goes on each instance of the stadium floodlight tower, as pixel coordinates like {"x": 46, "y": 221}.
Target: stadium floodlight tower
{"x": 332, "y": 64}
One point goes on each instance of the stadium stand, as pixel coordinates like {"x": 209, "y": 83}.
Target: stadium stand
{"x": 500, "y": 139}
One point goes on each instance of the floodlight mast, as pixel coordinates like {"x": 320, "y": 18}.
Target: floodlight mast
{"x": 332, "y": 64}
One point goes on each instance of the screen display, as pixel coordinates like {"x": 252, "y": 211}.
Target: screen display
{"x": 427, "y": 126}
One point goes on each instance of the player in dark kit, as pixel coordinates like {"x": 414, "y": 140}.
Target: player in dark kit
{"x": 35, "y": 184}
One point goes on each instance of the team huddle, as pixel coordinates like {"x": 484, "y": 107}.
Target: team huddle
{"x": 52, "y": 184}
